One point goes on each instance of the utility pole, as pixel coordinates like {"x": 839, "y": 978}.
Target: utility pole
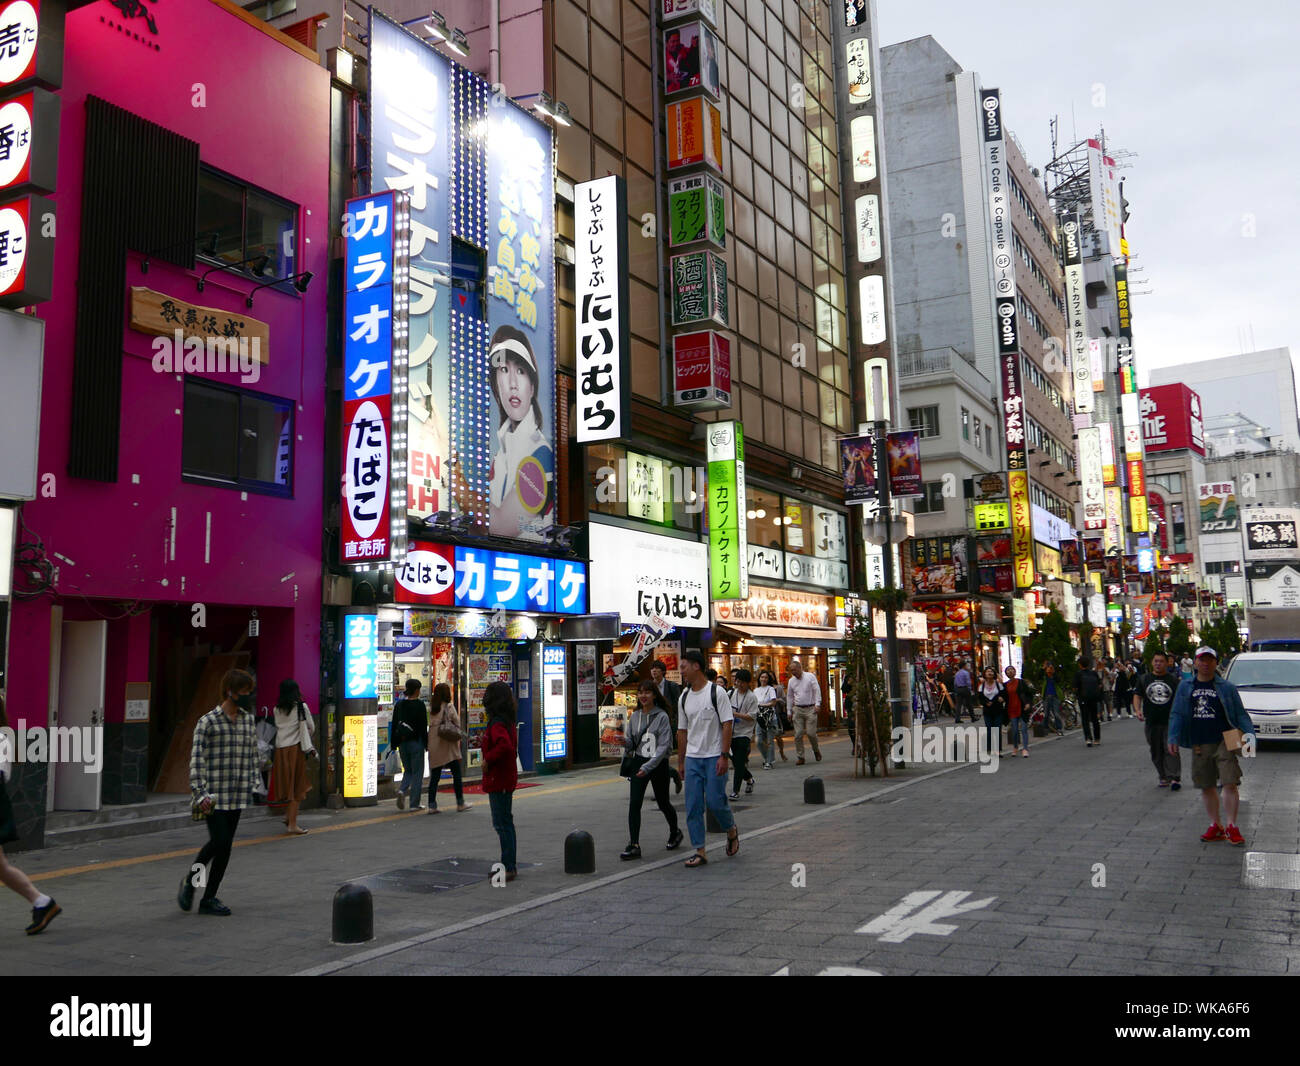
{"x": 879, "y": 402}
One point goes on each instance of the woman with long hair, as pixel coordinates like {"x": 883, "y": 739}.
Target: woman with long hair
{"x": 44, "y": 909}
{"x": 770, "y": 740}
{"x": 500, "y": 777}
{"x": 443, "y": 751}
{"x": 294, "y": 728}
{"x": 992, "y": 696}
{"x": 649, "y": 738}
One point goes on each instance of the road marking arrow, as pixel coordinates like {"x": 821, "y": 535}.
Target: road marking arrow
{"x": 899, "y": 922}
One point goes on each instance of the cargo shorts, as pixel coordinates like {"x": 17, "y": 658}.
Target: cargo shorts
{"x": 1214, "y": 764}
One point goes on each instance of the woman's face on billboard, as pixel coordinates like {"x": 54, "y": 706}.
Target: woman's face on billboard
{"x": 515, "y": 388}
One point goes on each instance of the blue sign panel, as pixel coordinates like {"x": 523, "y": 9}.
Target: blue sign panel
{"x": 555, "y": 704}
{"x": 571, "y": 587}
{"x": 360, "y": 656}
{"x": 1146, "y": 560}
{"x": 508, "y": 581}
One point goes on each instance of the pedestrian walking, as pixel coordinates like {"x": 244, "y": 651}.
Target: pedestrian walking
{"x": 444, "y": 747}
{"x": 500, "y": 774}
{"x": 224, "y": 771}
{"x": 1187, "y": 667}
{"x": 1087, "y": 687}
{"x": 294, "y": 728}
{"x": 993, "y": 701}
{"x": 649, "y": 741}
{"x": 44, "y": 909}
{"x": 770, "y": 734}
{"x": 704, "y": 724}
{"x": 744, "y": 712}
{"x": 1106, "y": 671}
{"x": 805, "y": 697}
{"x": 1020, "y": 698}
{"x": 961, "y": 687}
{"x": 671, "y": 692}
{"x": 846, "y": 696}
{"x": 1051, "y": 699}
{"x": 1208, "y": 718}
{"x": 410, "y": 734}
{"x": 1124, "y": 683}
{"x": 1153, "y": 700}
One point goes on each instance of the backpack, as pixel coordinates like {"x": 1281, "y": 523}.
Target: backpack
{"x": 681, "y": 702}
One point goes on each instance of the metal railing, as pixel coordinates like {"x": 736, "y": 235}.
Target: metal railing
{"x": 930, "y": 361}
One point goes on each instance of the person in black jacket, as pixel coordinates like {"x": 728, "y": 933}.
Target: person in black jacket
{"x": 409, "y": 734}
{"x": 992, "y": 697}
{"x": 1087, "y": 686}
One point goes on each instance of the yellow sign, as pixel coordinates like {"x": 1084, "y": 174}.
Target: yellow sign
{"x": 161, "y": 315}
{"x": 1095, "y": 577}
{"x": 992, "y": 516}
{"x": 1137, "y": 509}
{"x": 360, "y": 755}
{"x": 1022, "y": 529}
{"x": 1113, "y": 534}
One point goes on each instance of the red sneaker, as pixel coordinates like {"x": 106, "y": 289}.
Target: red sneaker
{"x": 1234, "y": 836}
{"x": 1215, "y": 832}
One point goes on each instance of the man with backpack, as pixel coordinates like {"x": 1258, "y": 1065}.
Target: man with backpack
{"x": 1087, "y": 686}
{"x": 704, "y": 723}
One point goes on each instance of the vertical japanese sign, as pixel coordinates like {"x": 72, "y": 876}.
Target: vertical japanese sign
{"x": 360, "y": 756}
{"x": 867, "y": 210}
{"x": 728, "y": 555}
{"x": 1108, "y": 471}
{"x": 410, "y": 114}
{"x": 871, "y": 291}
{"x": 701, "y": 370}
{"x": 1113, "y": 536}
{"x": 1013, "y": 411}
{"x": 1092, "y": 492}
{"x": 555, "y": 717}
{"x": 521, "y": 321}
{"x": 1022, "y": 529}
{"x": 1076, "y": 313}
{"x": 699, "y": 288}
{"x": 601, "y": 297}
{"x": 696, "y": 211}
{"x": 374, "y": 378}
{"x": 1124, "y": 353}
{"x": 31, "y": 44}
{"x": 360, "y": 656}
{"x": 1218, "y": 505}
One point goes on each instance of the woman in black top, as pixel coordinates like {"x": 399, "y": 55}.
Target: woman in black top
{"x": 409, "y": 734}
{"x": 992, "y": 696}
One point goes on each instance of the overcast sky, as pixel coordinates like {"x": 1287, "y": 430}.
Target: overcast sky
{"x": 1205, "y": 96}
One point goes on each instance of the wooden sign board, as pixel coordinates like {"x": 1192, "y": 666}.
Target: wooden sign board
{"x": 161, "y": 315}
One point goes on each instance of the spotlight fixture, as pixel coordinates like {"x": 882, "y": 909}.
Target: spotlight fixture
{"x": 209, "y": 249}
{"x": 300, "y": 282}
{"x": 459, "y": 43}
{"x": 257, "y": 262}
{"x": 436, "y": 26}
{"x": 562, "y": 113}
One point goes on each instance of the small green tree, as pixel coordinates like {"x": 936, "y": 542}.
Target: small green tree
{"x": 1087, "y": 638}
{"x": 1051, "y": 644}
{"x": 1179, "y": 641}
{"x": 1154, "y": 643}
{"x": 872, "y": 719}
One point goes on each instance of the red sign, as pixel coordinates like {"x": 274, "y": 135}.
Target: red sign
{"x": 429, "y": 575}
{"x": 701, "y": 370}
{"x": 366, "y": 513}
{"x": 1171, "y": 418}
{"x": 29, "y": 140}
{"x": 1156, "y": 503}
{"x": 26, "y": 251}
{"x": 1137, "y": 482}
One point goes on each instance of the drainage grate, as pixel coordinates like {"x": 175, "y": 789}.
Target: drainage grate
{"x": 439, "y": 876}
{"x": 1271, "y": 869}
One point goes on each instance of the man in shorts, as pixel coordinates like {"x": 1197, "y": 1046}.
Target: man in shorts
{"x": 1205, "y": 708}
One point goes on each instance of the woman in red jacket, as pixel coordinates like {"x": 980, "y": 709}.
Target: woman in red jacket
{"x": 500, "y": 749}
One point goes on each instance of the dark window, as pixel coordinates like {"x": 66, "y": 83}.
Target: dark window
{"x": 924, "y": 419}
{"x": 468, "y": 269}
{"x": 932, "y": 501}
{"x": 237, "y": 438}
{"x": 247, "y": 223}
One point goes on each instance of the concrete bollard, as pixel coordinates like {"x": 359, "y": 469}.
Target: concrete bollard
{"x": 354, "y": 915}
{"x": 579, "y": 853}
{"x": 813, "y": 790}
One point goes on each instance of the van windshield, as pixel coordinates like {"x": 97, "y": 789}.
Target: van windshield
{"x": 1265, "y": 673}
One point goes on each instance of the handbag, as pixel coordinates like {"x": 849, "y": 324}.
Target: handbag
{"x": 449, "y": 730}
{"x": 304, "y": 732}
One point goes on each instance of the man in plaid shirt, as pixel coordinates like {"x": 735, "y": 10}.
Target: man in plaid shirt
{"x": 224, "y": 770}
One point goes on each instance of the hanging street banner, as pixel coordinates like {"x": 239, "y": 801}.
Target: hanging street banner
{"x": 858, "y": 463}
{"x": 904, "y": 455}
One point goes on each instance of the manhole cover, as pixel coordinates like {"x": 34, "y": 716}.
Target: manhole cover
{"x": 1271, "y": 869}
{"x": 439, "y": 876}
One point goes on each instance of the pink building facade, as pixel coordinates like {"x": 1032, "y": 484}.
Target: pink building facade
{"x": 180, "y": 505}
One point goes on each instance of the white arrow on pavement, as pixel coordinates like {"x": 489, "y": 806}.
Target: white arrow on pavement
{"x": 898, "y": 923}
{"x": 833, "y": 971}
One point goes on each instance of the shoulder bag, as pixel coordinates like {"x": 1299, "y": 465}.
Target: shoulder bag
{"x": 449, "y": 730}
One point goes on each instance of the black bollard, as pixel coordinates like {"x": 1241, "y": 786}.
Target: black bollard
{"x": 354, "y": 915}
{"x": 579, "y": 853}
{"x": 813, "y": 790}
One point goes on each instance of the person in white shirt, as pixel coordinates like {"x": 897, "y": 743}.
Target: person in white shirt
{"x": 769, "y": 719}
{"x": 294, "y": 729}
{"x": 704, "y": 724}
{"x": 805, "y": 699}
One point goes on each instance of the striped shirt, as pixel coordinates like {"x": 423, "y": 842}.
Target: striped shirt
{"x": 224, "y": 763}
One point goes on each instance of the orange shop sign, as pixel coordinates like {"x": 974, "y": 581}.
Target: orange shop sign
{"x": 694, "y": 134}
{"x": 778, "y": 607}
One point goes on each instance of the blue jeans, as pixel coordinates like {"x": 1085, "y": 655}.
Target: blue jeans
{"x": 1052, "y": 712}
{"x": 503, "y": 821}
{"x": 1018, "y": 734}
{"x": 767, "y": 738}
{"x": 704, "y": 785}
{"x": 412, "y": 752}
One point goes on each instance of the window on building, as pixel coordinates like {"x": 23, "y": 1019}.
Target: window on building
{"x": 924, "y": 419}
{"x": 931, "y": 502}
{"x": 272, "y": 9}
{"x": 979, "y": 434}
{"x": 965, "y": 424}
{"x": 247, "y": 223}
{"x": 764, "y": 517}
{"x": 988, "y": 440}
{"x": 237, "y": 438}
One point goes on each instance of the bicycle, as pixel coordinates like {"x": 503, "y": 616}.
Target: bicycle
{"x": 1066, "y": 711}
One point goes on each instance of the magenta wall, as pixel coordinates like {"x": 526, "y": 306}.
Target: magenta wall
{"x": 266, "y": 121}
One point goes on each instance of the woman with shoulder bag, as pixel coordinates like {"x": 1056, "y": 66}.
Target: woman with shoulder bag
{"x": 444, "y": 747}
{"x": 649, "y": 741}
{"x": 500, "y": 747}
{"x": 294, "y": 728}
{"x": 993, "y": 699}
{"x": 770, "y": 741}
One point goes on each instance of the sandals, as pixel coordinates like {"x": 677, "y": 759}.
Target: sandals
{"x": 733, "y": 842}
{"x": 298, "y": 831}
{"x": 697, "y": 860}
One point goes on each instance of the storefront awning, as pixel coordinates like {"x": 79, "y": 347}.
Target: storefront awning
{"x": 788, "y": 638}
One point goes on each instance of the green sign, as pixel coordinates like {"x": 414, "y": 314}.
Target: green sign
{"x": 699, "y": 288}
{"x": 728, "y": 549}
{"x": 696, "y": 211}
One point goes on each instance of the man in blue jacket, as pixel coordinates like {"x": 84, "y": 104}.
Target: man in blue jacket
{"x": 1204, "y": 709}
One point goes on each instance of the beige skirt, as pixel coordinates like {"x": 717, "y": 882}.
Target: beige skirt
{"x": 291, "y": 781}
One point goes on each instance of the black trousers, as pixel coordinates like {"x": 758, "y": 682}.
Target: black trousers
{"x": 1091, "y": 715}
{"x": 221, "y": 838}
{"x": 964, "y": 704}
{"x": 740, "y": 757}
{"x": 659, "y": 778}
{"x": 435, "y": 777}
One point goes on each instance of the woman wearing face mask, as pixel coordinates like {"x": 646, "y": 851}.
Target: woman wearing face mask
{"x": 649, "y": 738}
{"x": 522, "y": 489}
{"x": 294, "y": 728}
